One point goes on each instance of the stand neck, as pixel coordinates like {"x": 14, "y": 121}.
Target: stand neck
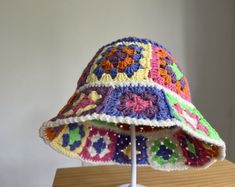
{"x": 133, "y": 157}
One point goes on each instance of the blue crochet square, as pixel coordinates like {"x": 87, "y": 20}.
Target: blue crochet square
{"x": 123, "y": 150}
{"x": 139, "y": 102}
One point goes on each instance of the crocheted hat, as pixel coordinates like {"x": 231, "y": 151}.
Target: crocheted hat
{"x": 137, "y": 82}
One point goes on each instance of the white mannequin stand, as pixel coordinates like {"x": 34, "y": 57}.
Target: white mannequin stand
{"x": 133, "y": 161}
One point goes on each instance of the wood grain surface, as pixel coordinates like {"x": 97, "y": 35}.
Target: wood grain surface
{"x": 221, "y": 174}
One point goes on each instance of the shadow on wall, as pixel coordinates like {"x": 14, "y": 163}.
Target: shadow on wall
{"x": 209, "y": 44}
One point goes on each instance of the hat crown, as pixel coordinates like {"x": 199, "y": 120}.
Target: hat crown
{"x": 134, "y": 60}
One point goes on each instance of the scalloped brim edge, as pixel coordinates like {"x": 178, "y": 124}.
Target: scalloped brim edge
{"x": 102, "y": 117}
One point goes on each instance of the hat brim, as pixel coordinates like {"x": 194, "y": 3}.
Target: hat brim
{"x": 171, "y": 133}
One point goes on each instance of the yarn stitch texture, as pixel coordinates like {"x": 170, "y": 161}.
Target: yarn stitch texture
{"x": 134, "y": 81}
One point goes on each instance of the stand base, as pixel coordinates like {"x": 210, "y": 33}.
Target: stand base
{"x": 128, "y": 185}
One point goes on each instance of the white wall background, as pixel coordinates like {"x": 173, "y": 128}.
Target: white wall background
{"x": 44, "y": 46}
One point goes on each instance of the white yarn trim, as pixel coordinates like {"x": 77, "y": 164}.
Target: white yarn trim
{"x": 145, "y": 83}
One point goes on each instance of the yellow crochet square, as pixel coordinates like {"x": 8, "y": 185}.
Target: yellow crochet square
{"x": 57, "y": 143}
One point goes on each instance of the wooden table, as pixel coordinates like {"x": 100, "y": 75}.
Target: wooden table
{"x": 221, "y": 174}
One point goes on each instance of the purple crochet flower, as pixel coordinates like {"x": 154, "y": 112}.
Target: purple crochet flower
{"x": 138, "y": 102}
{"x": 141, "y": 104}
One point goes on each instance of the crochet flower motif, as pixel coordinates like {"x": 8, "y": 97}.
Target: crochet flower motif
{"x": 119, "y": 59}
{"x": 99, "y": 145}
{"x": 191, "y": 119}
{"x": 141, "y": 104}
{"x": 138, "y": 102}
{"x": 193, "y": 150}
{"x": 74, "y": 137}
{"x": 164, "y": 151}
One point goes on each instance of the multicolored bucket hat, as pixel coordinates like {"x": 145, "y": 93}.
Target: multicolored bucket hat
{"x": 134, "y": 81}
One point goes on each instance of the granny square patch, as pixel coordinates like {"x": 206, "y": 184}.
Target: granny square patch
{"x": 89, "y": 100}
{"x": 71, "y": 139}
{"x": 193, "y": 150}
{"x": 123, "y": 150}
{"x": 120, "y": 62}
{"x": 166, "y": 72}
{"x": 190, "y": 117}
{"x": 163, "y": 151}
{"x": 138, "y": 102}
{"x": 100, "y": 145}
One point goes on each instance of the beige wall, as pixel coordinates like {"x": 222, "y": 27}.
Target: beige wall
{"x": 44, "y": 45}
